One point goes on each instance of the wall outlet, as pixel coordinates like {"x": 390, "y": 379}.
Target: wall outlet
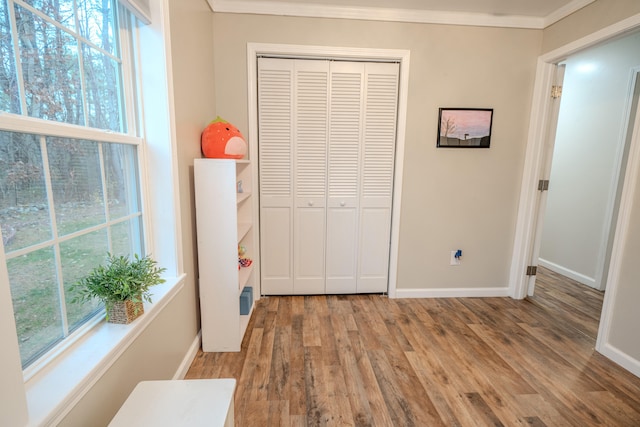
{"x": 454, "y": 260}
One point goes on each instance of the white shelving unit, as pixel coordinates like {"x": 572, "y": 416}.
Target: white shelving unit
{"x": 225, "y": 220}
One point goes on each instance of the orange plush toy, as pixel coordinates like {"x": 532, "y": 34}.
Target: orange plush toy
{"x": 222, "y": 140}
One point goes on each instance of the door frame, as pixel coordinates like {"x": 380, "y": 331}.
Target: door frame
{"x": 545, "y": 173}
{"x": 343, "y": 53}
{"x": 541, "y": 112}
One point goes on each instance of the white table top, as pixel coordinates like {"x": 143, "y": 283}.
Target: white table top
{"x": 177, "y": 403}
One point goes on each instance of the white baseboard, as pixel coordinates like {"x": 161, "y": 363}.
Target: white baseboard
{"x": 188, "y": 358}
{"x": 578, "y": 277}
{"x": 623, "y": 359}
{"x": 452, "y": 292}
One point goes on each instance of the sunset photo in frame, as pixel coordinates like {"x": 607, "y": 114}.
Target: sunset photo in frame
{"x": 464, "y": 127}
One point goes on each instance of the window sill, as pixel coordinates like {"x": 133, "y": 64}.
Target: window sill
{"x": 52, "y": 392}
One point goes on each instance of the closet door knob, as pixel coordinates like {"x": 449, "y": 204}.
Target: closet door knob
{"x": 342, "y": 203}
{"x": 310, "y": 202}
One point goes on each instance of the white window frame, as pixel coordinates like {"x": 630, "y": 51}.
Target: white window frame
{"x": 50, "y": 394}
{"x": 43, "y": 129}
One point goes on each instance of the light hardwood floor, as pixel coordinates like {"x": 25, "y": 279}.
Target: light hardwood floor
{"x": 368, "y": 360}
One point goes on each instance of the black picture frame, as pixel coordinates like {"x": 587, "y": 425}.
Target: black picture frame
{"x": 464, "y": 127}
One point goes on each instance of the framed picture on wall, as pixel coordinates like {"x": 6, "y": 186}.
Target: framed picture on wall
{"x": 464, "y": 127}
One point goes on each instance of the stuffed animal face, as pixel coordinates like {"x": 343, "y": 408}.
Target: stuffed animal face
{"x": 222, "y": 140}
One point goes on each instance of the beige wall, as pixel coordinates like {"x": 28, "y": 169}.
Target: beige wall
{"x": 194, "y": 96}
{"x": 587, "y": 20}
{"x": 159, "y": 350}
{"x": 452, "y": 198}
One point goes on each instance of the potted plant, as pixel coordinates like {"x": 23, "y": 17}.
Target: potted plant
{"x": 122, "y": 284}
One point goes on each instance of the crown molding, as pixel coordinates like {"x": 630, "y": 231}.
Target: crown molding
{"x": 565, "y": 11}
{"x": 313, "y": 10}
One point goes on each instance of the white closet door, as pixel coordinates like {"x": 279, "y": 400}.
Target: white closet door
{"x": 376, "y": 190}
{"x": 327, "y": 134}
{"x": 345, "y": 125}
{"x": 275, "y": 129}
{"x": 310, "y": 176}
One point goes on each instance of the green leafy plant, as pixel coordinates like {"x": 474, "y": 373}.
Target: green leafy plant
{"x": 120, "y": 279}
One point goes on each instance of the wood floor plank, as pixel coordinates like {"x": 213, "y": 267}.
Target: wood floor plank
{"x": 284, "y": 314}
{"x": 365, "y": 328}
{"x": 352, "y": 378}
{"x": 455, "y": 374}
{"x": 298, "y": 398}
{"x": 365, "y": 384}
{"x": 535, "y": 406}
{"x": 341, "y": 413}
{"x": 319, "y": 412}
{"x": 417, "y": 399}
{"x": 535, "y": 422}
{"x": 244, "y": 387}
{"x": 311, "y": 332}
{"x": 297, "y": 304}
{"x": 339, "y": 304}
{"x": 259, "y": 313}
{"x": 550, "y": 375}
{"x": 279, "y": 387}
{"x": 254, "y": 413}
{"x": 610, "y": 407}
{"x": 494, "y": 382}
{"x": 330, "y": 354}
{"x": 403, "y": 412}
{"x": 394, "y": 318}
{"x": 278, "y": 413}
{"x": 262, "y": 366}
{"x": 445, "y": 399}
{"x": 469, "y": 347}
{"x": 366, "y": 360}
{"x": 484, "y": 412}
{"x": 296, "y": 421}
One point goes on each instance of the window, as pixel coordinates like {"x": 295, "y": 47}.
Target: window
{"x": 69, "y": 181}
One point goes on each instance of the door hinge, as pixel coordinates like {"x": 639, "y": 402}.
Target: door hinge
{"x": 532, "y": 270}
{"x": 543, "y": 185}
{"x": 556, "y": 91}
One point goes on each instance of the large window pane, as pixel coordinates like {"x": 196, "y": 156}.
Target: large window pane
{"x": 9, "y": 97}
{"x": 58, "y": 10}
{"x": 77, "y": 184}
{"x": 24, "y": 211}
{"x": 120, "y": 163}
{"x": 96, "y": 20}
{"x": 102, "y": 82}
{"x": 50, "y": 70}
{"x": 36, "y": 302}
{"x": 126, "y": 237}
{"x": 78, "y": 257}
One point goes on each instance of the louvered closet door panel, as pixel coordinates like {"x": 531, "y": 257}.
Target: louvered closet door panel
{"x": 310, "y": 175}
{"x": 345, "y": 120}
{"x": 376, "y": 190}
{"x": 275, "y": 127}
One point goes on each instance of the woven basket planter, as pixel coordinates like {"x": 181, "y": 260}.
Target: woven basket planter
{"x": 125, "y": 312}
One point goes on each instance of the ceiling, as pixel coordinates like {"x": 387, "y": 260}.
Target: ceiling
{"x": 495, "y": 13}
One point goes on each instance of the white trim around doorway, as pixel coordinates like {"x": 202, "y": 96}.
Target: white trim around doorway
{"x": 300, "y": 51}
{"x": 527, "y": 210}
